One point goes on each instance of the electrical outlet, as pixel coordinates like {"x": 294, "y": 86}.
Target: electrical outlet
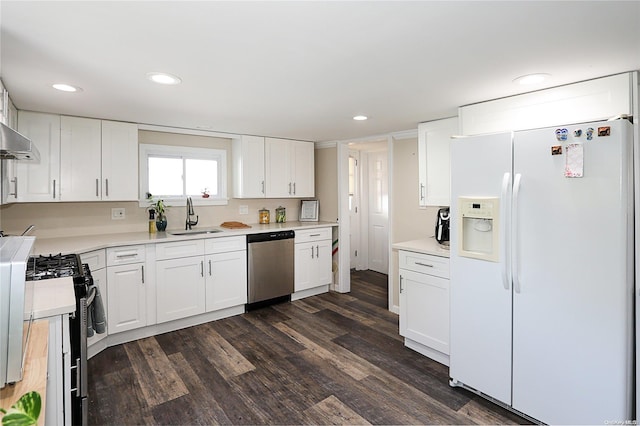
{"x": 244, "y": 209}
{"x": 117, "y": 214}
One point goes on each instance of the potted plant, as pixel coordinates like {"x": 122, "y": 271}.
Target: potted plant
{"x": 159, "y": 207}
{"x": 24, "y": 412}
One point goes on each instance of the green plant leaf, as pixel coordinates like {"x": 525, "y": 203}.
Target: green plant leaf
{"x": 25, "y": 411}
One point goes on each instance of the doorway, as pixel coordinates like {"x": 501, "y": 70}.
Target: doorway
{"x": 368, "y": 206}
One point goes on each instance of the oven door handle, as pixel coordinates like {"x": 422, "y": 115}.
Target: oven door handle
{"x": 81, "y": 371}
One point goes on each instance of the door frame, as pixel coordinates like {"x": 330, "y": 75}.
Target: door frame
{"x": 344, "y": 254}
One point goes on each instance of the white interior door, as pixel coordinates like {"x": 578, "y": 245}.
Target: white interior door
{"x": 378, "y": 212}
{"x": 354, "y": 208}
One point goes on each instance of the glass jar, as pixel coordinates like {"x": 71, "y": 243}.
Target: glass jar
{"x": 264, "y": 216}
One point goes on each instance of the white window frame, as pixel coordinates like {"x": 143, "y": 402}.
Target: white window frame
{"x": 219, "y": 155}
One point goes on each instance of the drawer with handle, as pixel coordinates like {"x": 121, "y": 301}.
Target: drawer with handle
{"x": 424, "y": 263}
{"x": 125, "y": 255}
{"x": 315, "y": 234}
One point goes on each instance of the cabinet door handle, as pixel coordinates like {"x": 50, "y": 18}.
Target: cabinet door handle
{"x": 294, "y": 188}
{"x": 289, "y": 188}
{"x": 400, "y": 283}
{"x": 209, "y": 267}
{"x": 424, "y": 264}
{"x": 142, "y": 268}
{"x": 317, "y": 252}
{"x": 314, "y": 235}
{"x": 202, "y": 268}
{"x": 15, "y": 181}
{"x": 97, "y": 186}
{"x": 263, "y": 187}
{"x": 422, "y": 191}
{"x": 54, "y": 189}
{"x": 106, "y": 186}
{"x": 312, "y": 252}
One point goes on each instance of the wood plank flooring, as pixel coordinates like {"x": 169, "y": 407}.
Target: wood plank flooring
{"x": 328, "y": 359}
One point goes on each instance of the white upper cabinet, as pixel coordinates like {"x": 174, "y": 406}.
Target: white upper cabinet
{"x": 248, "y": 167}
{"x": 80, "y": 151}
{"x": 289, "y": 168}
{"x": 119, "y": 161}
{"x": 39, "y": 180}
{"x": 434, "y": 138}
{"x": 81, "y": 159}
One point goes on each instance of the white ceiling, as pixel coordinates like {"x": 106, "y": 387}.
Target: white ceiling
{"x": 301, "y": 70}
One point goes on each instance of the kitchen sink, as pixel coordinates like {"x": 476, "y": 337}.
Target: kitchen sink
{"x": 194, "y": 232}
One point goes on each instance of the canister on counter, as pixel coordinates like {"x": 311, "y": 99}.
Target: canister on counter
{"x": 281, "y": 215}
{"x": 264, "y": 216}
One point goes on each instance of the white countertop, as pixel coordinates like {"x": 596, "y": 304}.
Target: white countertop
{"x": 83, "y": 244}
{"x": 53, "y": 297}
{"x": 423, "y": 245}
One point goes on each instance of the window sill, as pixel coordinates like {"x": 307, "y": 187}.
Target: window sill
{"x": 182, "y": 202}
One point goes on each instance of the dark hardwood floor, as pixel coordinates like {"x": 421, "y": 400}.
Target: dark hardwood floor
{"x": 328, "y": 359}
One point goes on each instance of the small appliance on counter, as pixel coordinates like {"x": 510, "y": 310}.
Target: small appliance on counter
{"x": 442, "y": 227}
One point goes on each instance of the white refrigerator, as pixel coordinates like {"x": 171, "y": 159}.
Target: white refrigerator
{"x": 542, "y": 271}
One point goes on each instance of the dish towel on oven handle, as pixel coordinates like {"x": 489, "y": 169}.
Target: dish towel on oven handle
{"x": 96, "y": 318}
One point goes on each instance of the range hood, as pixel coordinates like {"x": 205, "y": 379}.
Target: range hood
{"x": 14, "y": 146}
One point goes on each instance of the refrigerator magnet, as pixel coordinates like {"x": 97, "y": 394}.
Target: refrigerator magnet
{"x": 556, "y": 150}
{"x": 604, "y": 131}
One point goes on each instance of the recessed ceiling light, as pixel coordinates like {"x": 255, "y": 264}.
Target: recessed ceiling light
{"x": 360, "y": 117}
{"x": 163, "y": 78}
{"x": 66, "y": 87}
{"x": 529, "y": 79}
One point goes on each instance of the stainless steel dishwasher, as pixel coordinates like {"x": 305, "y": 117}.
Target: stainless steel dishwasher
{"x": 270, "y": 265}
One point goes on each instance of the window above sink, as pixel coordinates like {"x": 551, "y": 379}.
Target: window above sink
{"x": 173, "y": 173}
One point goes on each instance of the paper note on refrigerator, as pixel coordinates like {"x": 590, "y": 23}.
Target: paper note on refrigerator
{"x": 574, "y": 166}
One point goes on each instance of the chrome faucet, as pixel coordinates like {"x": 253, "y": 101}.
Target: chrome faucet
{"x": 189, "y": 223}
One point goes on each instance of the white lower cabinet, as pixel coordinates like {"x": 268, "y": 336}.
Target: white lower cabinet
{"x": 424, "y": 304}
{"x": 226, "y": 280}
{"x": 180, "y": 287}
{"x": 58, "y": 406}
{"x": 127, "y": 302}
{"x": 312, "y": 258}
{"x": 210, "y": 275}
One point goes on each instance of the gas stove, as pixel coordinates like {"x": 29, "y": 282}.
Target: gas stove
{"x": 55, "y": 266}
{"x": 61, "y": 266}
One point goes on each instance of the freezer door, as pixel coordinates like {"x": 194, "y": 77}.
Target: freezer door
{"x": 572, "y": 248}
{"x": 480, "y": 351}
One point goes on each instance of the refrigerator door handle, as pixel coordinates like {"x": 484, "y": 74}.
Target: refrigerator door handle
{"x": 515, "y": 259}
{"x": 506, "y": 264}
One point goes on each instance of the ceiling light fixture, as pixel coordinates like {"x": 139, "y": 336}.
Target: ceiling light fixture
{"x": 360, "y": 117}
{"x": 66, "y": 87}
{"x": 529, "y": 79}
{"x": 163, "y": 78}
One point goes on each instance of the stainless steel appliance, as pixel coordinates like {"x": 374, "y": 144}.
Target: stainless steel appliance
{"x": 270, "y": 263}
{"x": 14, "y": 146}
{"x": 70, "y": 265}
{"x": 442, "y": 226}
{"x": 16, "y": 306}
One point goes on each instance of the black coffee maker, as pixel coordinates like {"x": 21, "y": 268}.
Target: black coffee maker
{"x": 442, "y": 226}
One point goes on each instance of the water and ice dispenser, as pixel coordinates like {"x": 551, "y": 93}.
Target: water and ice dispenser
{"x": 478, "y": 222}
